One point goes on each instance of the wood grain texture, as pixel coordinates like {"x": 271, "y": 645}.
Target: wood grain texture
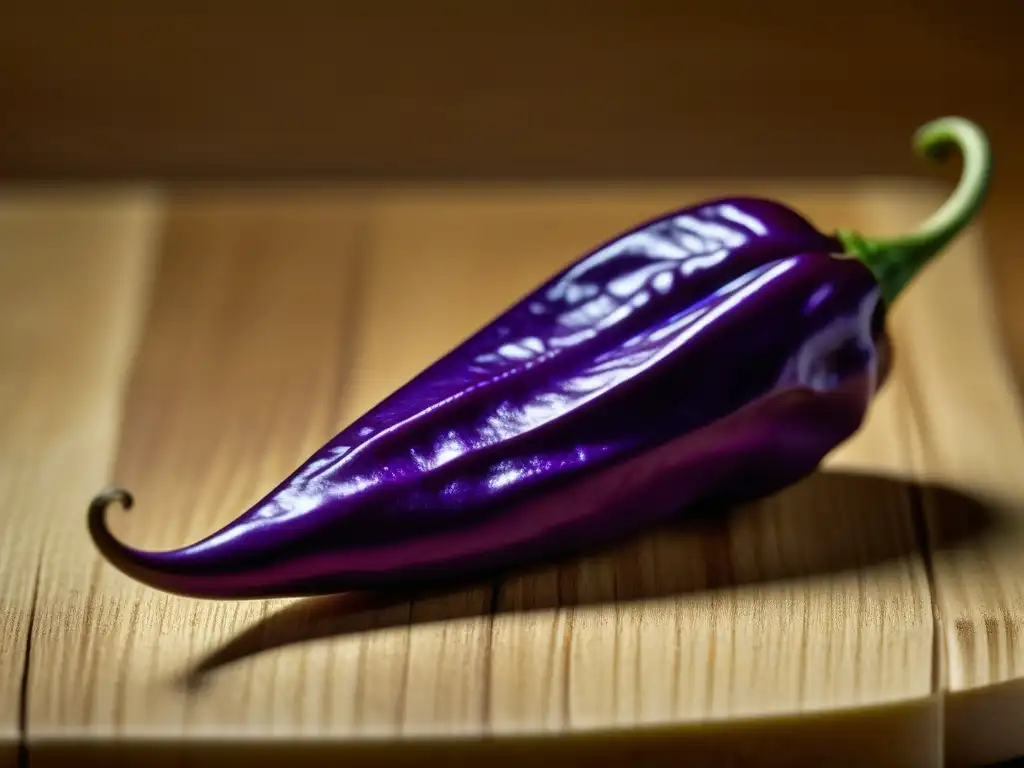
{"x": 276, "y": 318}
{"x": 239, "y": 376}
{"x": 796, "y": 629}
{"x": 72, "y": 279}
{"x": 970, "y": 421}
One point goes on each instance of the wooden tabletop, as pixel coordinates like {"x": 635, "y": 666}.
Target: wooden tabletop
{"x": 195, "y": 345}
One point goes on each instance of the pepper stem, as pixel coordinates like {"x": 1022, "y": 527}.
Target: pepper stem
{"x": 896, "y": 261}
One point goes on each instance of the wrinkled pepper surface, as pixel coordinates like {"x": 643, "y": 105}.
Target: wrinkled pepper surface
{"x": 711, "y": 356}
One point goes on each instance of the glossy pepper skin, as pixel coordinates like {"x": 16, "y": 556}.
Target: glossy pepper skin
{"x": 711, "y": 356}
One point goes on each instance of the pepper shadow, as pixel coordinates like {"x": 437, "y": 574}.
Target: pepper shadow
{"x": 828, "y": 523}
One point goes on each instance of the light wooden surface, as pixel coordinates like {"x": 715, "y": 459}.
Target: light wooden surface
{"x": 969, "y": 421}
{"x": 71, "y": 285}
{"x": 196, "y": 347}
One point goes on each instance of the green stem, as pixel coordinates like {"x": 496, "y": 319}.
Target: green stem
{"x": 896, "y": 261}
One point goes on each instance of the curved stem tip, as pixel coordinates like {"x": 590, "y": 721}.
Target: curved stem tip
{"x": 104, "y": 540}
{"x": 895, "y": 261}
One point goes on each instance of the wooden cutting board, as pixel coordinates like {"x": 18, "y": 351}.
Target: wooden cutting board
{"x": 195, "y": 346}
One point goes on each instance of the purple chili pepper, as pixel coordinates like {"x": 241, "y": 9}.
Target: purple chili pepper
{"x": 713, "y": 355}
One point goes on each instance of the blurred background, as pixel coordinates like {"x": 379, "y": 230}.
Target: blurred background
{"x": 530, "y": 90}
